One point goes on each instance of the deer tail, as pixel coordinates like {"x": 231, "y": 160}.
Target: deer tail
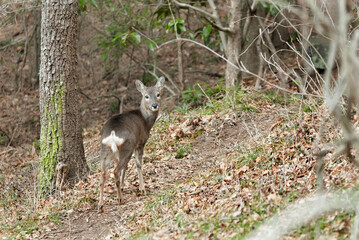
{"x": 113, "y": 141}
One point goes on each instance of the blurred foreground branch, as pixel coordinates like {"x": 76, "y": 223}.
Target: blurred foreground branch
{"x": 303, "y": 211}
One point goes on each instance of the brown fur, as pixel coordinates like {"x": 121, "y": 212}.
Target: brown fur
{"x": 134, "y": 128}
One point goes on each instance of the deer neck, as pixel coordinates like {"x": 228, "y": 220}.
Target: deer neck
{"x": 149, "y": 116}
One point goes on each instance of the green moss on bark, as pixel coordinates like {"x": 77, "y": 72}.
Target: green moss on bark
{"x": 50, "y": 140}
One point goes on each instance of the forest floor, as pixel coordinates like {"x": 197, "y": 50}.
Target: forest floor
{"x": 170, "y": 176}
{"x": 213, "y": 171}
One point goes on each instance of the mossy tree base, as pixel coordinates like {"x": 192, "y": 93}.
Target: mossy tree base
{"x": 60, "y": 138}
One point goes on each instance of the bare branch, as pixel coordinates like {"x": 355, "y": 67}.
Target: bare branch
{"x": 194, "y": 8}
{"x": 218, "y": 23}
{"x": 168, "y": 77}
{"x": 219, "y": 28}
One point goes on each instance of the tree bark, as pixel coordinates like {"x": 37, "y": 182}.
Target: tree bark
{"x": 179, "y": 54}
{"x": 233, "y": 45}
{"x": 62, "y": 152}
{"x": 36, "y": 38}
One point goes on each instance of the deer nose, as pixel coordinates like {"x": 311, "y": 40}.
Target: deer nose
{"x": 155, "y": 106}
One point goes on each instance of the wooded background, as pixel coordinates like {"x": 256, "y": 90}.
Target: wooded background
{"x": 219, "y": 58}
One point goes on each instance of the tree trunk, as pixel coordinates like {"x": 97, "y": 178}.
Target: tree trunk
{"x": 62, "y": 152}
{"x": 36, "y": 38}
{"x": 179, "y": 55}
{"x": 233, "y": 45}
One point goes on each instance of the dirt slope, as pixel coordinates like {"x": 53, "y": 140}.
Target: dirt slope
{"x": 221, "y": 134}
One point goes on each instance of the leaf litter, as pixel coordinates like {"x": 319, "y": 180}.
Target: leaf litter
{"x": 240, "y": 167}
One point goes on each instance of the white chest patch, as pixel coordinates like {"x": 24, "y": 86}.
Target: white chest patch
{"x": 113, "y": 141}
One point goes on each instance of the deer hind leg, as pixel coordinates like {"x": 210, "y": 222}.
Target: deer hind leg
{"x": 139, "y": 154}
{"x": 119, "y": 174}
{"x": 105, "y": 158}
{"x": 123, "y": 173}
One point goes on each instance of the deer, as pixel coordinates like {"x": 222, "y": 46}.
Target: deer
{"x": 126, "y": 133}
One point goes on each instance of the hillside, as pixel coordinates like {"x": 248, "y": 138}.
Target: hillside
{"x": 210, "y": 172}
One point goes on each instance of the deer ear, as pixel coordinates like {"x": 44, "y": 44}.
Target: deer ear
{"x": 160, "y": 82}
{"x": 139, "y": 85}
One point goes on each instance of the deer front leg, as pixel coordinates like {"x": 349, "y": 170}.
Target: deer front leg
{"x": 139, "y": 154}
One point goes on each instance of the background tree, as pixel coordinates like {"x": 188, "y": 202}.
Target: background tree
{"x": 232, "y": 41}
{"x": 62, "y": 151}
{"x": 239, "y": 24}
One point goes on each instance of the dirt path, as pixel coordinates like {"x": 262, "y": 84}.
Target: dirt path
{"x": 220, "y": 137}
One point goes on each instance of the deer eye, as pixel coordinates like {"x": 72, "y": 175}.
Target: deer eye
{"x": 147, "y": 97}
{"x": 158, "y": 95}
